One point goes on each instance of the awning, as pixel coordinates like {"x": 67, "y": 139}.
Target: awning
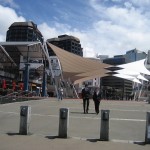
{"x": 5, "y": 59}
{"x": 32, "y": 49}
{"x": 131, "y": 73}
{"x": 137, "y": 66}
{"x": 77, "y": 68}
{"x": 127, "y": 77}
{"x": 136, "y": 69}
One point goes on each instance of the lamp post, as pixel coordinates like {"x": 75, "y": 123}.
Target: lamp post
{"x": 26, "y": 72}
{"x": 44, "y": 83}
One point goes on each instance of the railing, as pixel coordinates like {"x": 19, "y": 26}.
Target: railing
{"x": 17, "y": 97}
{"x": 9, "y": 98}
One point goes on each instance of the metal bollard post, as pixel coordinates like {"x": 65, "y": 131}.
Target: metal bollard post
{"x": 104, "y": 132}
{"x": 63, "y": 122}
{"x": 147, "y": 133}
{"x": 148, "y": 99}
{"x": 25, "y": 118}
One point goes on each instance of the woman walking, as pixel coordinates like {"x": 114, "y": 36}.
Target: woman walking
{"x": 97, "y": 98}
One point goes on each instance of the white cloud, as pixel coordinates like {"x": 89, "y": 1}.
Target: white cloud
{"x": 115, "y": 39}
{"x": 87, "y": 43}
{"x": 53, "y": 31}
{"x": 118, "y": 29}
{"x": 128, "y": 5}
{"x": 59, "y": 29}
{"x": 56, "y": 30}
{"x": 141, "y": 2}
{"x": 47, "y": 31}
{"x": 105, "y": 37}
{"x": 11, "y": 3}
{"x": 116, "y": 0}
{"x": 130, "y": 19}
{"x": 8, "y": 16}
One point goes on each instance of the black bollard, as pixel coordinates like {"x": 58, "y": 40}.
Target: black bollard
{"x": 147, "y": 133}
{"x": 63, "y": 122}
{"x": 25, "y": 118}
{"x": 104, "y": 131}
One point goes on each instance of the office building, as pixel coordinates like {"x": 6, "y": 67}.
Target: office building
{"x": 122, "y": 85}
{"x": 116, "y": 60}
{"x": 24, "y": 31}
{"x": 68, "y": 43}
{"x": 114, "y": 87}
{"x": 102, "y": 57}
{"x": 134, "y": 55}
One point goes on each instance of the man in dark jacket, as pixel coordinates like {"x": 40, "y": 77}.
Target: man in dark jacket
{"x": 85, "y": 97}
{"x": 97, "y": 98}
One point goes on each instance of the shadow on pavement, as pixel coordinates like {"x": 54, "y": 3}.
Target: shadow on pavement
{"x": 140, "y": 143}
{"x": 51, "y": 137}
{"x": 56, "y": 137}
{"x": 93, "y": 140}
{"x": 81, "y": 113}
{"x": 13, "y": 134}
{"x": 76, "y": 112}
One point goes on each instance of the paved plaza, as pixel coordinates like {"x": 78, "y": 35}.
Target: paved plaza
{"x": 127, "y": 125}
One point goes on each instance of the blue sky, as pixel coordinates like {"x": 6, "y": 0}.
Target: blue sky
{"x": 106, "y": 27}
{"x": 73, "y": 13}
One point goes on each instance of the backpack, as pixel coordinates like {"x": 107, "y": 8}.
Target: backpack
{"x": 85, "y": 93}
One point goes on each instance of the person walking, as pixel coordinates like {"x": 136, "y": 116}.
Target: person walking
{"x": 60, "y": 93}
{"x": 85, "y": 97}
{"x": 97, "y": 98}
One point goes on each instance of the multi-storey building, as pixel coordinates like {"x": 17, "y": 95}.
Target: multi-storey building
{"x": 124, "y": 86}
{"x": 68, "y": 43}
{"x": 134, "y": 55}
{"x": 114, "y": 87}
{"x": 24, "y": 31}
{"x": 102, "y": 57}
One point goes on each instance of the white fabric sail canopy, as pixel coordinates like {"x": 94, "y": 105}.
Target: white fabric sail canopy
{"x": 137, "y": 66}
{"x": 135, "y": 69}
{"x": 127, "y": 77}
{"x": 141, "y": 77}
{"x": 131, "y": 73}
{"x": 128, "y": 72}
{"x": 76, "y": 68}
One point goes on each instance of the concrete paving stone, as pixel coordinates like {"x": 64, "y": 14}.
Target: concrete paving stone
{"x": 126, "y": 131}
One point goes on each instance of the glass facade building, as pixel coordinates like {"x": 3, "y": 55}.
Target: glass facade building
{"x": 24, "y": 31}
{"x": 68, "y": 43}
{"x": 114, "y": 87}
{"x": 134, "y": 55}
